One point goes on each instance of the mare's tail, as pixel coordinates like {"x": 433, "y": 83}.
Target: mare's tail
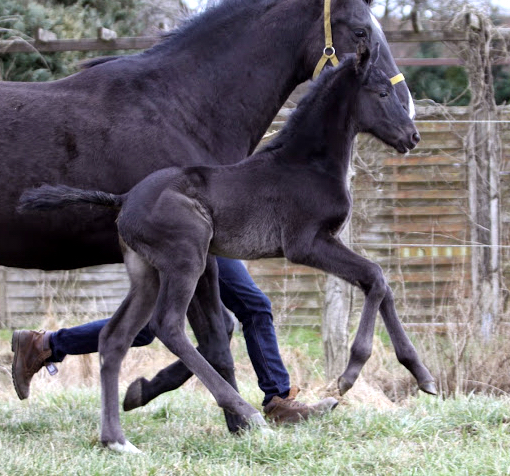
{"x": 50, "y": 197}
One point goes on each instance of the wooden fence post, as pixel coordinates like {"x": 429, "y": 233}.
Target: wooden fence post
{"x": 335, "y": 326}
{"x": 44, "y": 36}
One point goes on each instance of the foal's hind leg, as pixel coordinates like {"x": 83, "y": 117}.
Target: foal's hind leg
{"x": 115, "y": 340}
{"x": 212, "y": 326}
{"x": 168, "y": 324}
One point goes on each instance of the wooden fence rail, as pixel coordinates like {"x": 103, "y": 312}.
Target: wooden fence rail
{"x": 45, "y": 43}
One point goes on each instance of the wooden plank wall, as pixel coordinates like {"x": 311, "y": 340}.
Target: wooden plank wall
{"x": 31, "y": 296}
{"x": 410, "y": 216}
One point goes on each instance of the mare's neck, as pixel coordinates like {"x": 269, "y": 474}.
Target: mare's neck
{"x": 231, "y": 79}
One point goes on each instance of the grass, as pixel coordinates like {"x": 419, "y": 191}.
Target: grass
{"x": 56, "y": 431}
{"x": 58, "y": 434}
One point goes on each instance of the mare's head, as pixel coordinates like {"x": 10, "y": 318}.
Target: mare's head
{"x": 378, "y": 109}
{"x": 352, "y": 23}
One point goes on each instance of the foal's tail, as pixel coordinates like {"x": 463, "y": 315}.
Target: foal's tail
{"x": 50, "y": 197}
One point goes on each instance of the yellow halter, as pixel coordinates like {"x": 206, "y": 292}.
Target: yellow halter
{"x": 397, "y": 79}
{"x": 329, "y": 53}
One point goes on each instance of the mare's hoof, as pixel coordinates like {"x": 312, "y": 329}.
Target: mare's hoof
{"x": 126, "y": 447}
{"x": 343, "y": 386}
{"x": 134, "y": 395}
{"x": 429, "y": 387}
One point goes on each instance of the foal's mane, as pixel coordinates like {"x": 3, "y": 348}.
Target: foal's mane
{"x": 314, "y": 95}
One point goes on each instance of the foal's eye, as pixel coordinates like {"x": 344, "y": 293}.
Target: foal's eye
{"x": 383, "y": 94}
{"x": 360, "y": 33}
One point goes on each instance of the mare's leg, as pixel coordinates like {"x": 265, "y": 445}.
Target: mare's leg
{"x": 115, "y": 340}
{"x": 330, "y": 255}
{"x": 213, "y": 327}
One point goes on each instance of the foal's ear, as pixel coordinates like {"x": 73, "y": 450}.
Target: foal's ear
{"x": 362, "y": 59}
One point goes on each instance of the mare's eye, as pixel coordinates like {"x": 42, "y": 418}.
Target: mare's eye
{"x": 383, "y": 94}
{"x": 360, "y": 33}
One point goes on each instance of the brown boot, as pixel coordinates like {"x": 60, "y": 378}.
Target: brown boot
{"x": 30, "y": 349}
{"x": 289, "y": 410}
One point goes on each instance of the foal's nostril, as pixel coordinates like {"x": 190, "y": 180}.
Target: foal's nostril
{"x": 416, "y": 137}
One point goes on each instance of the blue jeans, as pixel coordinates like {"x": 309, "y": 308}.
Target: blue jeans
{"x": 239, "y": 294}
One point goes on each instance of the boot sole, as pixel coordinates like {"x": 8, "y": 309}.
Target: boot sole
{"x": 15, "y": 348}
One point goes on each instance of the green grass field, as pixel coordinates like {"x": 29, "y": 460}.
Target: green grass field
{"x": 184, "y": 434}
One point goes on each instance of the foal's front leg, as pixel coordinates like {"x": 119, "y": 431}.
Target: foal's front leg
{"x": 404, "y": 348}
{"x": 332, "y": 256}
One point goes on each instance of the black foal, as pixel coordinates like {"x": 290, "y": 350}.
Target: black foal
{"x": 290, "y": 199}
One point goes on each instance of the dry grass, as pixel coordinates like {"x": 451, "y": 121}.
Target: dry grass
{"x": 300, "y": 349}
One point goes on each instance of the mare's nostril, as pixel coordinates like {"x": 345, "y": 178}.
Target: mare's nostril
{"x": 416, "y": 138}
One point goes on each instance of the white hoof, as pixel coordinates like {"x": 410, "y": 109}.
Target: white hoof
{"x": 265, "y": 431}
{"x": 257, "y": 420}
{"x": 127, "y": 447}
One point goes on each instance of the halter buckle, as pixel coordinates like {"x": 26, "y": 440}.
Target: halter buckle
{"x": 329, "y": 52}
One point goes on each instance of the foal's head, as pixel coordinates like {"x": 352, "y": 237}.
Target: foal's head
{"x": 378, "y": 109}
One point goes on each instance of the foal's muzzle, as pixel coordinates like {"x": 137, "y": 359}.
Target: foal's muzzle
{"x": 415, "y": 139}
{"x": 409, "y": 143}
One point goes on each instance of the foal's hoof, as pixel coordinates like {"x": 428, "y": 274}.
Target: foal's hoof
{"x": 429, "y": 387}
{"x": 134, "y": 395}
{"x": 343, "y": 386}
{"x": 235, "y": 422}
{"x": 257, "y": 421}
{"x": 126, "y": 447}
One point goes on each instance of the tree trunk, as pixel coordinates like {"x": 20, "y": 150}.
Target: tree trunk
{"x": 335, "y": 325}
{"x": 338, "y": 304}
{"x": 484, "y": 158}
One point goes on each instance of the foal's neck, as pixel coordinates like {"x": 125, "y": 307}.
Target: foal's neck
{"x": 321, "y": 131}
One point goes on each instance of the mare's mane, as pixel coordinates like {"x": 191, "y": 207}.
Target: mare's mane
{"x": 215, "y": 18}
{"x": 218, "y": 17}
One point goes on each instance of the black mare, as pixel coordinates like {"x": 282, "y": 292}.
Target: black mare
{"x": 290, "y": 199}
{"x": 204, "y": 95}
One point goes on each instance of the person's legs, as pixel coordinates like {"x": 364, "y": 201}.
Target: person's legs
{"x": 238, "y": 292}
{"x": 83, "y": 339}
{"x": 253, "y": 309}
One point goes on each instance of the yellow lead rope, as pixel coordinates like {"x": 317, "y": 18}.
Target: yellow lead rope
{"x": 329, "y": 53}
